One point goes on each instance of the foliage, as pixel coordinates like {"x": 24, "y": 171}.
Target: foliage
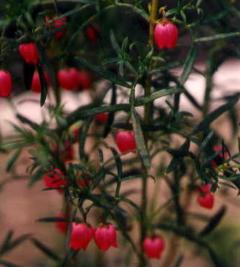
{"x": 126, "y": 59}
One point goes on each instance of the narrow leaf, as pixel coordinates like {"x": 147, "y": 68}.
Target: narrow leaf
{"x": 188, "y": 64}
{"x": 141, "y": 146}
{"x": 45, "y": 249}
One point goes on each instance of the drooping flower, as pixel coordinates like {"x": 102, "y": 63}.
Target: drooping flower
{"x": 125, "y": 141}
{"x": 154, "y": 246}
{"x": 206, "y": 200}
{"x": 105, "y": 236}
{"x": 5, "y": 83}
{"x": 81, "y": 235}
{"x": 68, "y": 78}
{"x": 165, "y": 34}
{"x": 29, "y": 53}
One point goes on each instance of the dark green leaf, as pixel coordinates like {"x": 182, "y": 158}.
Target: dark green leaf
{"x": 188, "y": 64}
{"x": 214, "y": 221}
{"x": 12, "y": 160}
{"x": 45, "y": 249}
{"x": 101, "y": 72}
{"x": 203, "y": 125}
{"x": 141, "y": 146}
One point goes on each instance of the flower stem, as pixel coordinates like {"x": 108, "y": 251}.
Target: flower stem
{"x": 147, "y": 119}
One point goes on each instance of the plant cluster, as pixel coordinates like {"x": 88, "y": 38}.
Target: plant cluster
{"x": 75, "y": 45}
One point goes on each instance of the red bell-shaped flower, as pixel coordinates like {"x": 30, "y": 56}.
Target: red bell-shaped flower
{"x": 125, "y": 141}
{"x": 105, "y": 236}
{"x": 5, "y": 83}
{"x": 102, "y": 117}
{"x": 68, "y": 78}
{"x": 165, "y": 34}
{"x": 60, "y": 25}
{"x": 36, "y": 84}
{"x": 62, "y": 224}
{"x": 29, "y": 53}
{"x": 55, "y": 179}
{"x": 81, "y": 235}
{"x": 92, "y": 33}
{"x": 154, "y": 246}
{"x": 206, "y": 200}
{"x": 84, "y": 79}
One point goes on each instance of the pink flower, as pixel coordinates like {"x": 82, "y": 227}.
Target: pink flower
{"x": 125, "y": 141}
{"x": 5, "y": 83}
{"x": 81, "y": 235}
{"x": 29, "y": 53}
{"x": 165, "y": 34}
{"x": 105, "y": 236}
{"x": 154, "y": 246}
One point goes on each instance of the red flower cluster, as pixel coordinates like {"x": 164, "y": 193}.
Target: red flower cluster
{"x": 205, "y": 198}
{"x": 5, "y": 83}
{"x": 105, "y": 236}
{"x": 125, "y": 141}
{"x": 154, "y": 246}
{"x": 165, "y": 34}
{"x": 55, "y": 179}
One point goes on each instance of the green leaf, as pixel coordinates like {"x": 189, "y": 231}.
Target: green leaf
{"x": 8, "y": 263}
{"x": 82, "y": 139}
{"x": 9, "y": 243}
{"x": 217, "y": 37}
{"x": 13, "y": 159}
{"x": 101, "y": 72}
{"x": 44, "y": 86}
{"x": 46, "y": 250}
{"x": 141, "y": 146}
{"x": 213, "y": 222}
{"x": 188, "y": 64}
{"x": 163, "y": 92}
{"x": 203, "y": 125}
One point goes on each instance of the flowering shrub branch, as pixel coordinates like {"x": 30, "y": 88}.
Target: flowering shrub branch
{"x": 73, "y": 47}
